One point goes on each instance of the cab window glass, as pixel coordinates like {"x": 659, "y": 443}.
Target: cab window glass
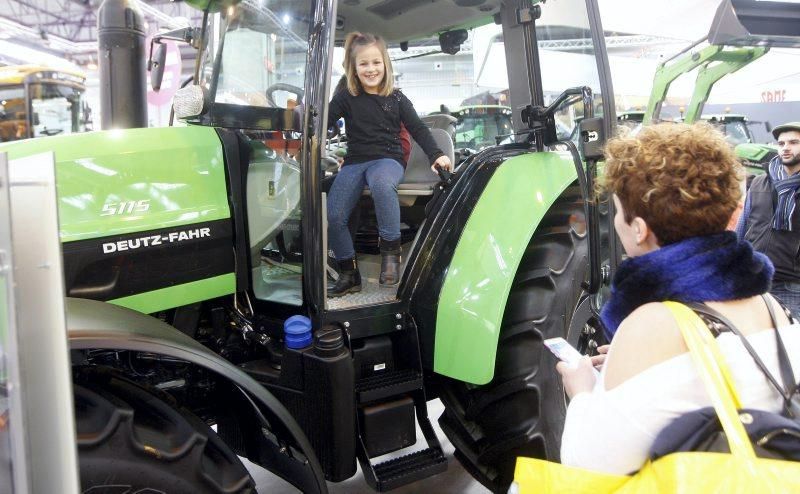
{"x": 263, "y": 55}
{"x": 13, "y": 114}
{"x": 57, "y": 109}
{"x": 261, "y": 51}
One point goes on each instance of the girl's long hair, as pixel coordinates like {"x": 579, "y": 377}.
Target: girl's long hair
{"x": 354, "y": 42}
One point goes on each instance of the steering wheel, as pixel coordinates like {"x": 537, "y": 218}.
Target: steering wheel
{"x": 289, "y": 88}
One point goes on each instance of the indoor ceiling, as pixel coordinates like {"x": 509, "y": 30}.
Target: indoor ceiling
{"x": 68, "y": 28}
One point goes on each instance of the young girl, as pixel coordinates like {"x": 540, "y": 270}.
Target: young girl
{"x": 373, "y": 111}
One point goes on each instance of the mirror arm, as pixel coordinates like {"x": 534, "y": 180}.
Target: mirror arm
{"x": 184, "y": 34}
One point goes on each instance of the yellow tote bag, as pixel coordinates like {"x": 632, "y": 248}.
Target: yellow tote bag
{"x": 689, "y": 473}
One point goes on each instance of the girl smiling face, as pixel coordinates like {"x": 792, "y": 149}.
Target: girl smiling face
{"x": 370, "y": 68}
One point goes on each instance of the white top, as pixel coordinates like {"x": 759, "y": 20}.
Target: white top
{"x": 612, "y": 431}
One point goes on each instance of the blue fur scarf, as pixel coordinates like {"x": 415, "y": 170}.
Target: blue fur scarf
{"x": 699, "y": 269}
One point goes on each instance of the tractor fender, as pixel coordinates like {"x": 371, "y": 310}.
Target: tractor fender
{"x": 489, "y": 250}
{"x": 94, "y": 324}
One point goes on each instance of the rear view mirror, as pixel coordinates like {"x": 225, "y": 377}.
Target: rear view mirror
{"x": 756, "y": 23}
{"x": 156, "y": 66}
{"x": 155, "y": 63}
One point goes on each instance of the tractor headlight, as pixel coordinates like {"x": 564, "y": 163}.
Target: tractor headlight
{"x": 189, "y": 101}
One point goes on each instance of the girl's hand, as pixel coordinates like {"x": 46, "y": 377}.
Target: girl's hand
{"x": 442, "y": 162}
{"x": 578, "y": 379}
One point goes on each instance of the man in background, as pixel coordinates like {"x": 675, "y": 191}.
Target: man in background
{"x": 770, "y": 218}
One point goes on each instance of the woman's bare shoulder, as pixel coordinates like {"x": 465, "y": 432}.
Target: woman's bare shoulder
{"x": 648, "y": 336}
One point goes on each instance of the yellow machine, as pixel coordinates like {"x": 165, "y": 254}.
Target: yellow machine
{"x": 40, "y": 101}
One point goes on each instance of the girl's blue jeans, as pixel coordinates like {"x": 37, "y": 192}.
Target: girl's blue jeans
{"x": 382, "y": 177}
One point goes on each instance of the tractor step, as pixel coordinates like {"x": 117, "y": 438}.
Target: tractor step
{"x": 372, "y": 441}
{"x": 406, "y": 469}
{"x": 388, "y": 384}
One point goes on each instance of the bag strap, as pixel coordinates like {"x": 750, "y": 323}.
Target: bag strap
{"x": 787, "y": 390}
{"x": 787, "y": 373}
{"x": 715, "y": 375}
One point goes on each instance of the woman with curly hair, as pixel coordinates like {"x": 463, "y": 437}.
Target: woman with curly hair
{"x": 674, "y": 187}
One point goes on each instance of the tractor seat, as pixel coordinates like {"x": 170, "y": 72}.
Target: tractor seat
{"x": 419, "y": 179}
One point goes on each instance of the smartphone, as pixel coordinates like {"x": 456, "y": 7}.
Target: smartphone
{"x": 563, "y": 350}
{"x": 566, "y": 352}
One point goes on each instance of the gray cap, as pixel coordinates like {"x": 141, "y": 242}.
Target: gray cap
{"x": 784, "y": 127}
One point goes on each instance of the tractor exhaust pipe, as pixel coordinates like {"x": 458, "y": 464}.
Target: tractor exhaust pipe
{"x": 121, "y": 58}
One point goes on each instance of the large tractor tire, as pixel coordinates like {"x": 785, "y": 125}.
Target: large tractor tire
{"x": 133, "y": 439}
{"x": 521, "y": 411}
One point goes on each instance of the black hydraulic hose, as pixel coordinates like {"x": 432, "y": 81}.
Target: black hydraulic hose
{"x": 586, "y": 181}
{"x": 582, "y": 181}
{"x": 593, "y": 225}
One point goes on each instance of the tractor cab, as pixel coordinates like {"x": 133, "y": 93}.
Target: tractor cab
{"x": 40, "y": 101}
{"x": 472, "y": 243}
{"x": 734, "y": 127}
{"x": 630, "y": 119}
{"x": 267, "y": 72}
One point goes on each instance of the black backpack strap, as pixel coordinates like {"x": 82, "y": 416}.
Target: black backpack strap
{"x": 787, "y": 373}
{"x": 708, "y": 311}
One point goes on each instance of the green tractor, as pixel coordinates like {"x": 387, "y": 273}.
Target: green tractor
{"x": 723, "y": 56}
{"x": 194, "y": 265}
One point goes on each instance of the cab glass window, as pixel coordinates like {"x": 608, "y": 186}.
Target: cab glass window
{"x": 253, "y": 70}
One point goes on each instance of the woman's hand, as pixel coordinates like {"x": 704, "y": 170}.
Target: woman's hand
{"x": 442, "y": 162}
{"x": 578, "y": 379}
{"x": 599, "y": 360}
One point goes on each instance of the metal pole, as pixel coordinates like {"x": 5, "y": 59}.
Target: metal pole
{"x": 318, "y": 63}
{"x": 44, "y": 391}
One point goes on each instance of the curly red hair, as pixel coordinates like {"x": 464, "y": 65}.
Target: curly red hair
{"x": 683, "y": 180}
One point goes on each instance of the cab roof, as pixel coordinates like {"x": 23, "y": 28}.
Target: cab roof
{"x": 395, "y": 20}
{"x": 16, "y": 74}
{"x": 724, "y": 117}
{"x": 424, "y": 17}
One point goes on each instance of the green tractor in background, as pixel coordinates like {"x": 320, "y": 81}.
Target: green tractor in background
{"x": 194, "y": 264}
{"x": 712, "y": 63}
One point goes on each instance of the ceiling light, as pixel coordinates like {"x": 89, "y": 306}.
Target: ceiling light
{"x": 34, "y": 56}
{"x": 11, "y": 28}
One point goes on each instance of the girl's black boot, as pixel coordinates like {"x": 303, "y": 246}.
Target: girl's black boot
{"x": 390, "y": 262}
{"x": 349, "y": 279}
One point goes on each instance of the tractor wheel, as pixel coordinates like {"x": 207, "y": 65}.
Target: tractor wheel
{"x": 521, "y": 411}
{"x": 132, "y": 439}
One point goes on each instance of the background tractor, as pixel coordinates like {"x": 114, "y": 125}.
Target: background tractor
{"x": 721, "y": 56}
{"x": 40, "y": 101}
{"x": 194, "y": 264}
